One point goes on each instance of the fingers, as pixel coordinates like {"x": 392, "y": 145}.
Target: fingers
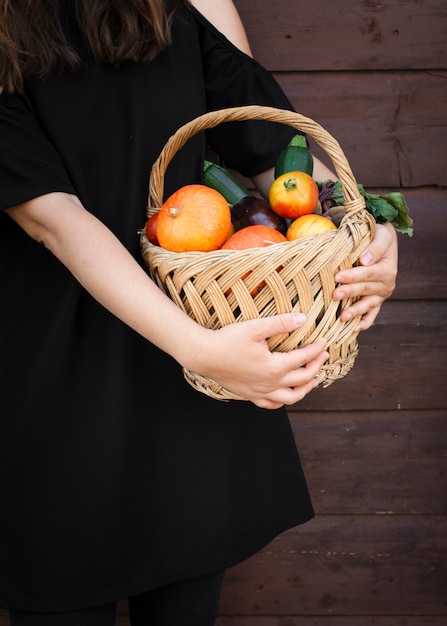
{"x": 299, "y": 382}
{"x": 368, "y": 319}
{"x": 370, "y": 295}
{"x": 378, "y": 269}
{"x": 312, "y": 358}
{"x": 377, "y": 280}
{"x": 286, "y": 396}
{"x": 383, "y": 244}
{"x": 364, "y": 285}
{"x": 373, "y": 282}
{"x": 268, "y": 404}
{"x": 266, "y": 327}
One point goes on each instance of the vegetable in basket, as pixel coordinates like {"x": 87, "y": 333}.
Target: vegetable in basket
{"x": 223, "y": 181}
{"x": 293, "y": 194}
{"x": 295, "y": 158}
{"x": 246, "y": 208}
{"x": 391, "y": 207}
{"x": 252, "y": 210}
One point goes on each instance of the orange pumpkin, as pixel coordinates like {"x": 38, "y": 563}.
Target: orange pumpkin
{"x": 195, "y": 217}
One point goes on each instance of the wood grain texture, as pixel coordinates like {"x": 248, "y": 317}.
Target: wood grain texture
{"x": 308, "y": 620}
{"x": 401, "y": 364}
{"x": 346, "y": 566}
{"x": 372, "y": 74}
{"x": 347, "y": 35}
{"x": 423, "y": 257}
{"x": 392, "y": 126}
{"x": 374, "y": 462}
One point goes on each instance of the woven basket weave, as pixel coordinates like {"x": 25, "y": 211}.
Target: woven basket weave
{"x": 214, "y": 288}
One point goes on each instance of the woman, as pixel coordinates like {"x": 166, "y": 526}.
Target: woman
{"x": 121, "y": 481}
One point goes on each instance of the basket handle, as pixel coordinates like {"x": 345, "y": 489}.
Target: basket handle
{"x": 353, "y": 200}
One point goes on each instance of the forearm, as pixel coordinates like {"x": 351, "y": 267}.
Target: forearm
{"x": 107, "y": 271}
{"x": 321, "y": 172}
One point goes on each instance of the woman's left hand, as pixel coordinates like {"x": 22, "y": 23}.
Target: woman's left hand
{"x": 374, "y": 280}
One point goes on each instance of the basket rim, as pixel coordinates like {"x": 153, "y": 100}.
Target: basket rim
{"x": 354, "y": 201}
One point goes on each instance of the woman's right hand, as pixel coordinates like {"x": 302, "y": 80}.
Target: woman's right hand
{"x": 237, "y": 357}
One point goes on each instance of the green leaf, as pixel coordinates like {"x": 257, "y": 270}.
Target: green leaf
{"x": 403, "y": 221}
{"x": 380, "y": 209}
{"x": 391, "y": 207}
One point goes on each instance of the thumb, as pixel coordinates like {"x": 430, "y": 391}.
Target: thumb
{"x": 379, "y": 245}
{"x": 264, "y": 327}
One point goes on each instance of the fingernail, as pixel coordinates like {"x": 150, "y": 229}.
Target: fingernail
{"x": 367, "y": 259}
{"x": 299, "y": 318}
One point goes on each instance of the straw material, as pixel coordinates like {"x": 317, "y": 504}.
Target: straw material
{"x": 215, "y": 288}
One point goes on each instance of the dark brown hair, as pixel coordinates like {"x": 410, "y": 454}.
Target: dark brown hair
{"x": 32, "y": 42}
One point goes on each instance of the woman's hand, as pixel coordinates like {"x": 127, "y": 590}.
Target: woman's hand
{"x": 374, "y": 280}
{"x": 238, "y": 358}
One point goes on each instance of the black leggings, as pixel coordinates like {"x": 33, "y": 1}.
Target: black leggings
{"x": 188, "y": 603}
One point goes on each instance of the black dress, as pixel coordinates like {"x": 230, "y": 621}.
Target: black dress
{"x": 115, "y": 475}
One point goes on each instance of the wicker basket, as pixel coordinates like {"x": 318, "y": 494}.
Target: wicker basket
{"x": 214, "y": 288}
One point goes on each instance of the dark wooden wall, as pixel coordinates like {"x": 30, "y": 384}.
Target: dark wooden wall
{"x": 374, "y": 445}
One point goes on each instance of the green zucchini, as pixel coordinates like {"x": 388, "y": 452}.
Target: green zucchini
{"x": 295, "y": 158}
{"x": 222, "y": 180}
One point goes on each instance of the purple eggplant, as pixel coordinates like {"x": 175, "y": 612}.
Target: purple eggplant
{"x": 253, "y": 210}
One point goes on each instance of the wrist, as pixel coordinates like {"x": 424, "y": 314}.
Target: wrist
{"x": 194, "y": 354}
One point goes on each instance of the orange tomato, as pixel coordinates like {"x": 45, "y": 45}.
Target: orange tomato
{"x": 256, "y": 236}
{"x": 151, "y": 229}
{"x": 195, "y": 217}
{"x": 309, "y": 225}
{"x": 293, "y": 194}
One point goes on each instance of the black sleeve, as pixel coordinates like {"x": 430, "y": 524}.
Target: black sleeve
{"x": 234, "y": 79}
{"x": 30, "y": 165}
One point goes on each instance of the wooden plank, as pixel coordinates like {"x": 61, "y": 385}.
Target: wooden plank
{"x": 340, "y": 487}
{"x": 346, "y": 566}
{"x": 320, "y": 620}
{"x": 423, "y": 257}
{"x": 401, "y": 363}
{"x": 347, "y": 35}
{"x": 391, "y": 126}
{"x": 395, "y": 436}
{"x": 374, "y": 462}
{"x": 298, "y": 620}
